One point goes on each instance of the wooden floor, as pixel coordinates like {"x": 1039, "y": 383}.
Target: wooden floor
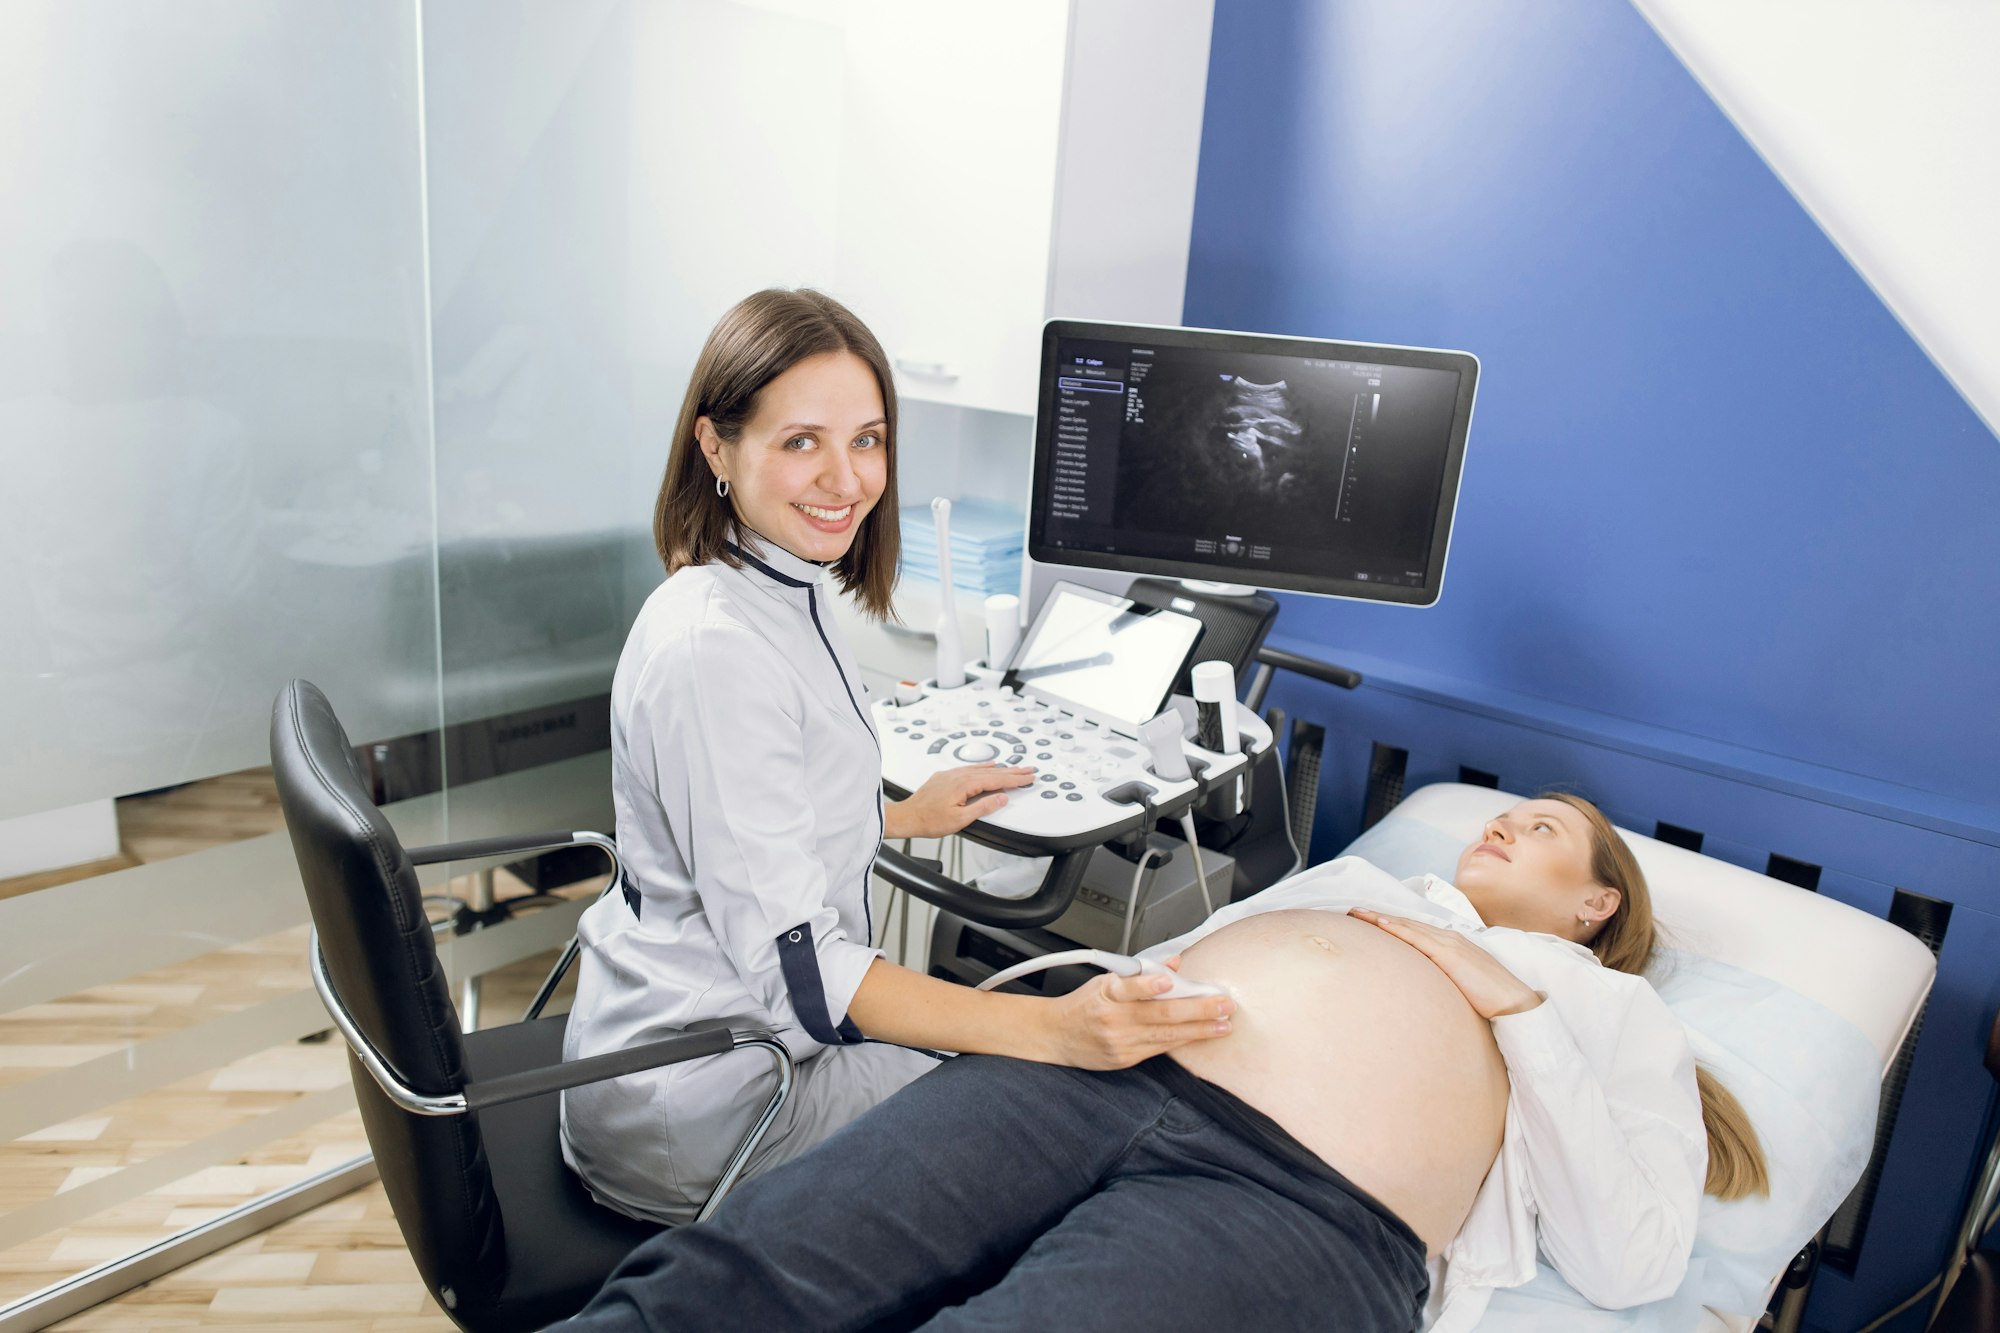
{"x": 342, "y": 1264}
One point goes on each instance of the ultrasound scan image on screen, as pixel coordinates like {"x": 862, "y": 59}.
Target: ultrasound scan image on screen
{"x": 1285, "y": 463}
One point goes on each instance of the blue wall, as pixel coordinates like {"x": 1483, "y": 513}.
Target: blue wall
{"x": 1713, "y": 486}
{"x": 1728, "y": 543}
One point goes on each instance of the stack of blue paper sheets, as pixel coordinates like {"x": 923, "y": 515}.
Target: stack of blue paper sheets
{"x": 986, "y": 543}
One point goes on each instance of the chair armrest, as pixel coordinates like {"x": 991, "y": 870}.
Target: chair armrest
{"x": 474, "y": 849}
{"x": 710, "y": 1040}
{"x": 612, "y": 1064}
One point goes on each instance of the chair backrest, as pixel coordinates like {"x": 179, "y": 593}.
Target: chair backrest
{"x": 383, "y": 963}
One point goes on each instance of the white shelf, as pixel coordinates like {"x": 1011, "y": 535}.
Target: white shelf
{"x": 888, "y": 654}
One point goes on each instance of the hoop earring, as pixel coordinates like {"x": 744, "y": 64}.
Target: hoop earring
{"x": 722, "y": 486}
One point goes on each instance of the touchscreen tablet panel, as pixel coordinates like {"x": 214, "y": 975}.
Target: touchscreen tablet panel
{"x": 1104, "y": 656}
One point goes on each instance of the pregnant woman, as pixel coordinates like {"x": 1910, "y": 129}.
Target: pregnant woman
{"x": 1417, "y": 1071}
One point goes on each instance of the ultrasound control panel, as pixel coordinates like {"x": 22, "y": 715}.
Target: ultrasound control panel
{"x": 1091, "y": 782}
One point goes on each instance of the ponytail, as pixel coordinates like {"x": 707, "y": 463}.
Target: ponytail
{"x": 1736, "y": 1168}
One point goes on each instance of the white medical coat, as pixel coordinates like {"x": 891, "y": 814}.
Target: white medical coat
{"x": 747, "y": 781}
{"x": 1604, "y": 1154}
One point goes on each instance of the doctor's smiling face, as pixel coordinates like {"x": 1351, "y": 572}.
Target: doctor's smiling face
{"x": 1533, "y": 869}
{"x": 812, "y": 460}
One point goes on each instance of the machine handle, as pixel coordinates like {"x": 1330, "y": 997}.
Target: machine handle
{"x": 1310, "y": 667}
{"x": 927, "y": 881}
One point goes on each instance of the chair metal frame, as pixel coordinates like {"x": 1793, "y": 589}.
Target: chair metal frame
{"x": 703, "y": 1039}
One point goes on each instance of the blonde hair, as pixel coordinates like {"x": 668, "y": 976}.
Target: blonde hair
{"x": 1736, "y": 1165}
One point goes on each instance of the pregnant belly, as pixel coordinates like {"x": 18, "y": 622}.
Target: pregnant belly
{"x": 1364, "y": 1052}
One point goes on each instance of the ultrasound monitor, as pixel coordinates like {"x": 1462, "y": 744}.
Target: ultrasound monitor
{"x": 1288, "y": 463}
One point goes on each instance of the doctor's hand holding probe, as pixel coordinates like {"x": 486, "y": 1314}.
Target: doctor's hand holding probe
{"x": 746, "y": 777}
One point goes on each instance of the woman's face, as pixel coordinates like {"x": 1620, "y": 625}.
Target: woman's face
{"x": 812, "y": 460}
{"x": 1530, "y": 870}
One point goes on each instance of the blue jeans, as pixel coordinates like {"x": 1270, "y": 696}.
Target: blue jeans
{"x": 1000, "y": 1195}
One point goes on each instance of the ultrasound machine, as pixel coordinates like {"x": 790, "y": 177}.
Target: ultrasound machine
{"x": 1216, "y": 467}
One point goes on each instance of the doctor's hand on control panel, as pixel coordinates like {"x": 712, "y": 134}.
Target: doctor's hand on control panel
{"x": 948, "y": 801}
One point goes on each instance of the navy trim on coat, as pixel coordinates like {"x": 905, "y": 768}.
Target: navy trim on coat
{"x": 800, "y": 964}
{"x": 812, "y": 609}
{"x": 881, "y": 820}
{"x": 785, "y": 579}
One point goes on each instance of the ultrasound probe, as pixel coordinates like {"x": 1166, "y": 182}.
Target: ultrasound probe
{"x": 950, "y": 657}
{"x": 1119, "y": 963}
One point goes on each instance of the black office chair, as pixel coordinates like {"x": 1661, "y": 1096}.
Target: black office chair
{"x": 463, "y": 1125}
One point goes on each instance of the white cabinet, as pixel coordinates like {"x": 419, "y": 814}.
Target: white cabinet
{"x": 1000, "y": 164}
{"x": 951, "y": 123}
{"x": 956, "y": 172}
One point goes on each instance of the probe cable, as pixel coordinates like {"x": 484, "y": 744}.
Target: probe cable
{"x": 1111, "y": 962}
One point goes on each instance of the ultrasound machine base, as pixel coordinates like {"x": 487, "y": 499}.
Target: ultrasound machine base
{"x": 1170, "y": 902}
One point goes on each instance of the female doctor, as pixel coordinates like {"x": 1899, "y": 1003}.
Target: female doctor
{"x": 746, "y": 777}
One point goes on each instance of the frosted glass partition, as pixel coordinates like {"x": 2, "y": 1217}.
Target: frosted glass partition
{"x": 214, "y": 427}
{"x": 582, "y": 243}
{"x": 339, "y": 342}
{"x": 215, "y": 448}
{"x": 527, "y": 117}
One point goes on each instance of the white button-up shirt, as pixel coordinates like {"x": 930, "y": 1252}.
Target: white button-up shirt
{"x": 747, "y": 782}
{"x": 1604, "y": 1153}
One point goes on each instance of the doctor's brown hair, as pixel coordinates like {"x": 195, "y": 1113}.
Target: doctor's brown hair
{"x": 760, "y": 338}
{"x": 1624, "y": 943}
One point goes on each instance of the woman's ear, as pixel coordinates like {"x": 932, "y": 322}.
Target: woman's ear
{"x": 711, "y": 445}
{"x": 1601, "y": 905}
